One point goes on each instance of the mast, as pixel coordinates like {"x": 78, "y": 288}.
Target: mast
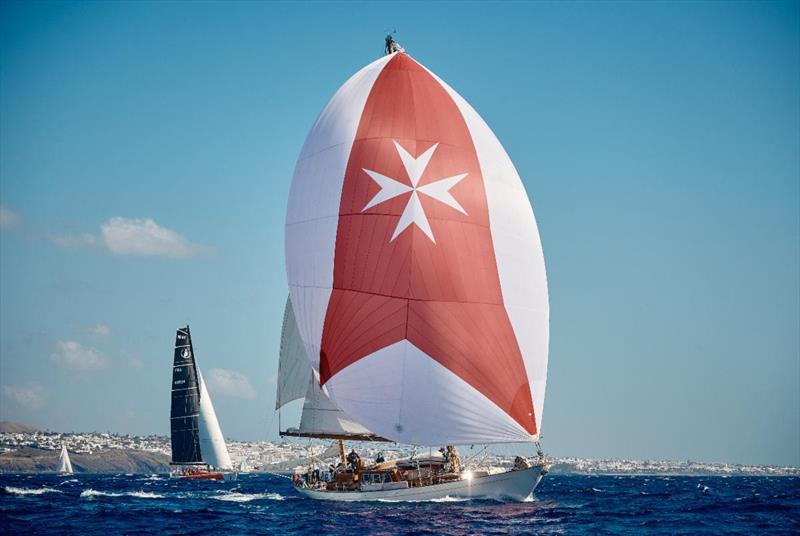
{"x": 342, "y": 453}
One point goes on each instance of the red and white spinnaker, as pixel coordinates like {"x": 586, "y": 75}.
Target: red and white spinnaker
{"x": 415, "y": 267}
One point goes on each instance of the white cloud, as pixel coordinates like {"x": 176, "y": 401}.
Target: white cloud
{"x": 135, "y": 362}
{"x": 124, "y": 236}
{"x": 74, "y": 356}
{"x": 9, "y": 218}
{"x": 30, "y": 395}
{"x": 229, "y": 383}
{"x": 142, "y": 237}
{"x": 101, "y": 330}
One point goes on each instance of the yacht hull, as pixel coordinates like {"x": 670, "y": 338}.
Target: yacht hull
{"x": 510, "y": 485}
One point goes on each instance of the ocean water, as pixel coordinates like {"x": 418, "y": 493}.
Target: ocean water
{"x": 263, "y": 504}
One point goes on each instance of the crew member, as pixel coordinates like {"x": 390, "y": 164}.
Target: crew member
{"x": 353, "y": 459}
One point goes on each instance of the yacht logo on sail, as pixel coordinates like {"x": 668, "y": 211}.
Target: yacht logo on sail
{"x": 186, "y": 353}
{"x": 413, "y": 212}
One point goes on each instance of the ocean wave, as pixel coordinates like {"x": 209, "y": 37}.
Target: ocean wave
{"x": 30, "y": 491}
{"x": 89, "y": 493}
{"x": 445, "y": 499}
{"x": 234, "y": 496}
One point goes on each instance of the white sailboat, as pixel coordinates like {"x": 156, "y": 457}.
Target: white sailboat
{"x": 64, "y": 464}
{"x": 198, "y": 447}
{"x": 417, "y": 289}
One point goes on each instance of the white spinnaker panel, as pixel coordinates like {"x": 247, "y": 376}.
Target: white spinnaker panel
{"x": 322, "y": 416}
{"x": 401, "y": 393}
{"x": 294, "y": 367}
{"x": 517, "y": 248}
{"x": 212, "y": 444}
{"x": 312, "y": 215}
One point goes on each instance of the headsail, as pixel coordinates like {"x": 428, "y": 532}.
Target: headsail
{"x": 321, "y": 417}
{"x": 293, "y": 366}
{"x": 415, "y": 268}
{"x": 195, "y": 432}
{"x": 212, "y": 443}
{"x": 64, "y": 464}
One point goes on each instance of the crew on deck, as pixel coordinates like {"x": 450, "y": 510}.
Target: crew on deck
{"x": 353, "y": 460}
{"x": 452, "y": 463}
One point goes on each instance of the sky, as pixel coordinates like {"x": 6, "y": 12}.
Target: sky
{"x": 146, "y": 153}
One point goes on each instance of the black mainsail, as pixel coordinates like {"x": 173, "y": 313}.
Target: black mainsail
{"x": 185, "y": 412}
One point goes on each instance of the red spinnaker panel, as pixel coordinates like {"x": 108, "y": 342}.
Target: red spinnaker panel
{"x": 433, "y": 281}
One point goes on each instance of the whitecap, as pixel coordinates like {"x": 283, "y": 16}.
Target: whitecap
{"x": 445, "y": 499}
{"x": 145, "y": 495}
{"x": 89, "y": 493}
{"x": 94, "y": 493}
{"x": 30, "y": 491}
{"x": 234, "y": 496}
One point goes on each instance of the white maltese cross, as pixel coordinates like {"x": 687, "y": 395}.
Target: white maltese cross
{"x": 414, "y": 213}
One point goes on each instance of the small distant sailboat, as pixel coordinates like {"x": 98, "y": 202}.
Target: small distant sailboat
{"x": 64, "y": 465}
{"x": 198, "y": 447}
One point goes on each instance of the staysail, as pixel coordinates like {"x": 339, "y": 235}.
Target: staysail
{"x": 195, "y": 432}
{"x": 64, "y": 465}
{"x": 415, "y": 268}
{"x": 293, "y": 366}
{"x": 321, "y": 418}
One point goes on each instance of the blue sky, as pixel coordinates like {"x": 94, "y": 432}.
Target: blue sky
{"x": 659, "y": 142}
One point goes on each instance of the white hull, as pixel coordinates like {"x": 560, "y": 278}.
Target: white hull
{"x": 513, "y": 485}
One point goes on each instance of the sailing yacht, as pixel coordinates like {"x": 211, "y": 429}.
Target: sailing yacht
{"x": 415, "y": 478}
{"x": 64, "y": 464}
{"x": 198, "y": 447}
{"x": 417, "y": 291}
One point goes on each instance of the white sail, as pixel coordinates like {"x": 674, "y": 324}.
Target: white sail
{"x": 294, "y": 368}
{"x": 64, "y": 465}
{"x": 322, "y": 416}
{"x": 212, "y": 443}
{"x": 296, "y": 379}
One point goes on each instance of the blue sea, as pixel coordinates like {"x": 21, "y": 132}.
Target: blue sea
{"x": 263, "y": 504}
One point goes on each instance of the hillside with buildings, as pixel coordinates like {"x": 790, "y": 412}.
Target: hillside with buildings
{"x": 25, "y": 449}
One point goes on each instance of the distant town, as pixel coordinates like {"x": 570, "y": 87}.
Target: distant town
{"x": 20, "y": 441}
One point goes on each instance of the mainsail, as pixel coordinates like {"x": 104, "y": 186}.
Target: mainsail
{"x": 64, "y": 465}
{"x": 415, "y": 268}
{"x": 195, "y": 432}
{"x": 321, "y": 417}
